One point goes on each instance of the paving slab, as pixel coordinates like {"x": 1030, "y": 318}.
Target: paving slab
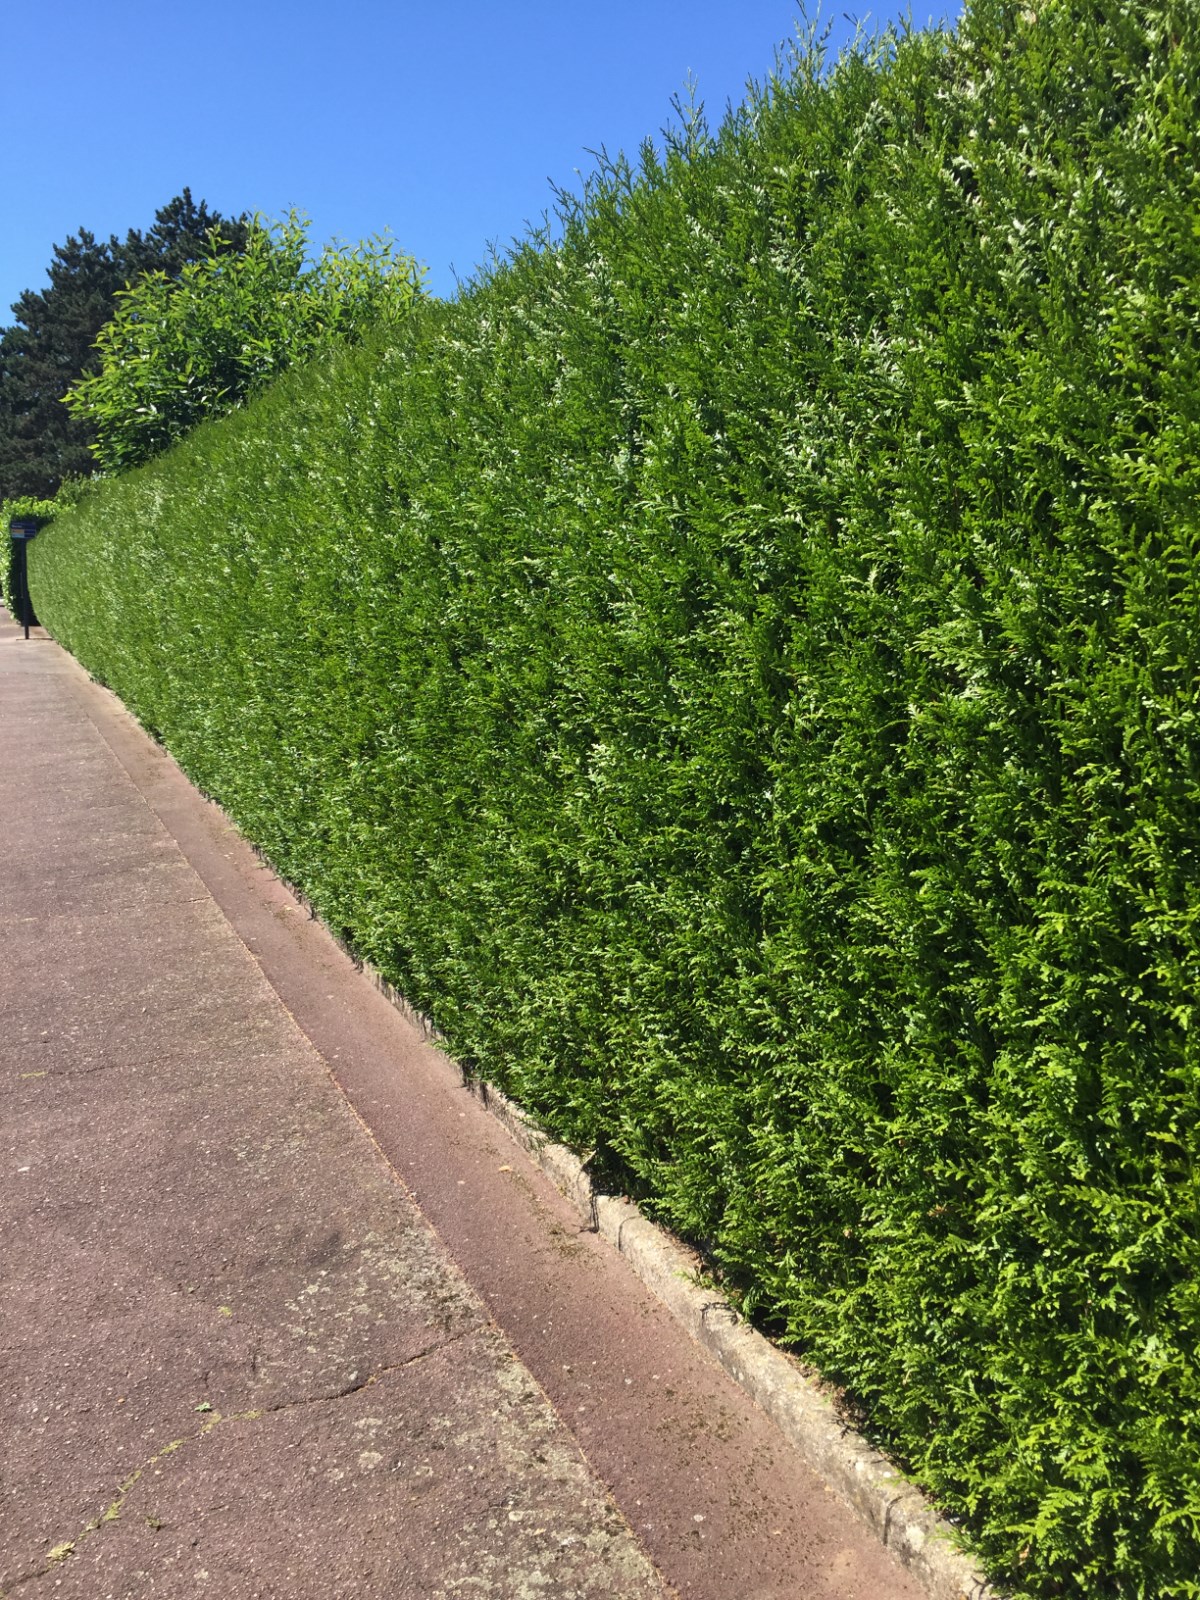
{"x": 284, "y": 1312}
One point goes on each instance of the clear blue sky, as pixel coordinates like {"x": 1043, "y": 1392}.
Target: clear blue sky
{"x": 443, "y": 123}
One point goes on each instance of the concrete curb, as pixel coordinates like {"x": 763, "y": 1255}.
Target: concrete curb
{"x": 898, "y": 1513}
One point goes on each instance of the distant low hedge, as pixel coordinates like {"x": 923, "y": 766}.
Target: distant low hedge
{"x": 24, "y": 506}
{"x": 737, "y": 666}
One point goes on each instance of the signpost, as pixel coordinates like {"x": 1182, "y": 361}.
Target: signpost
{"x": 20, "y": 531}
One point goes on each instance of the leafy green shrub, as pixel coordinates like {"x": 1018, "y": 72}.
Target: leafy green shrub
{"x": 737, "y": 666}
{"x": 51, "y": 341}
{"x": 183, "y": 348}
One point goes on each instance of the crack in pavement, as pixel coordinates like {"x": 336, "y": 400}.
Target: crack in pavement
{"x": 66, "y": 1548}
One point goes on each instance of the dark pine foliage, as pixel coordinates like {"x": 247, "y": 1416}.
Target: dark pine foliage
{"x": 49, "y": 345}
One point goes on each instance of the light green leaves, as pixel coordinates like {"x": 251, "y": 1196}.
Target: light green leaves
{"x": 182, "y": 349}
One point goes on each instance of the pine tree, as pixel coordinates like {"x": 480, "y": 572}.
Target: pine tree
{"x": 50, "y": 343}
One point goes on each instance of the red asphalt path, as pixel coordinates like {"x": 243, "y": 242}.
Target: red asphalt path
{"x": 284, "y": 1313}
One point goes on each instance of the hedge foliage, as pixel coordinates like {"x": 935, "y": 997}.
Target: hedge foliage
{"x": 737, "y": 666}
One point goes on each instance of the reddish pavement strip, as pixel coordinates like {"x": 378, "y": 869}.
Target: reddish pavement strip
{"x": 285, "y": 1313}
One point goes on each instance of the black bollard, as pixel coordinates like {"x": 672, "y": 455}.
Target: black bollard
{"x": 21, "y": 530}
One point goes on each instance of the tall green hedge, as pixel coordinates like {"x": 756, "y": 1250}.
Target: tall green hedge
{"x": 737, "y": 666}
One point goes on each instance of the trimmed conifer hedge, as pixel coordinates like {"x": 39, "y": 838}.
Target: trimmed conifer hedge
{"x": 737, "y": 666}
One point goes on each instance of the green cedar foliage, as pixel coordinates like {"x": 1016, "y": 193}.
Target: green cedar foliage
{"x": 50, "y": 343}
{"x": 737, "y": 666}
{"x": 182, "y": 348}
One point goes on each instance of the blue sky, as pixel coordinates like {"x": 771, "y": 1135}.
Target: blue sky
{"x": 443, "y": 123}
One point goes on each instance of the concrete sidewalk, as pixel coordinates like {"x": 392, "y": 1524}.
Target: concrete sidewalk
{"x": 284, "y": 1313}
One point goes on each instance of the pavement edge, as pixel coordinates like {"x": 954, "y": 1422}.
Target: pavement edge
{"x": 899, "y": 1514}
{"x": 893, "y": 1508}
